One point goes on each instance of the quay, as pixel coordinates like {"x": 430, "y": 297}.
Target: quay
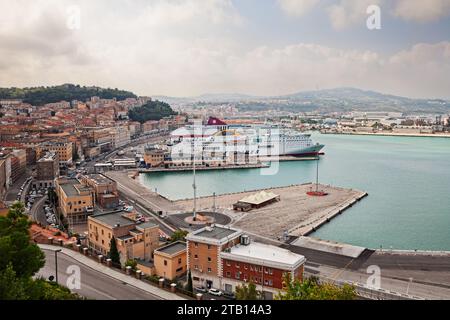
{"x": 204, "y": 168}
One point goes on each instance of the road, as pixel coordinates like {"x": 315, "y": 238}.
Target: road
{"x": 37, "y": 211}
{"x": 94, "y": 284}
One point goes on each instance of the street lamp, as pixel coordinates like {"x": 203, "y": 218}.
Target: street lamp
{"x": 56, "y": 264}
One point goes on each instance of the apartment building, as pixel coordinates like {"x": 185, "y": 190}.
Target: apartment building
{"x": 224, "y": 257}
{"x": 170, "y": 260}
{"x": 203, "y": 253}
{"x": 154, "y": 157}
{"x": 47, "y": 170}
{"x": 120, "y": 136}
{"x": 105, "y": 190}
{"x": 5, "y": 174}
{"x": 76, "y": 201}
{"x": 63, "y": 149}
{"x": 134, "y": 240}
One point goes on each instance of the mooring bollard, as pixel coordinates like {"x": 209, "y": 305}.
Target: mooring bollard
{"x": 161, "y": 282}
{"x": 50, "y": 240}
{"x": 100, "y": 258}
{"x": 173, "y": 287}
{"x": 85, "y": 251}
{"x": 128, "y": 270}
{"x": 108, "y": 262}
{"x": 199, "y": 296}
{"x": 138, "y": 274}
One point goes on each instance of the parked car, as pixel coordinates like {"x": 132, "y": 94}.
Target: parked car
{"x": 201, "y": 289}
{"x": 215, "y": 292}
{"x": 229, "y": 295}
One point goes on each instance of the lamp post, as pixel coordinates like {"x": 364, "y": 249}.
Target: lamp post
{"x": 56, "y": 264}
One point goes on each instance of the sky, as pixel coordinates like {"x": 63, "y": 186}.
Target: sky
{"x": 257, "y": 47}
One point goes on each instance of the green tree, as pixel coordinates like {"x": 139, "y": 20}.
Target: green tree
{"x": 25, "y": 257}
{"x": 131, "y": 263}
{"x": 313, "y": 289}
{"x": 152, "y": 110}
{"x": 114, "y": 254}
{"x": 189, "y": 286}
{"x": 179, "y": 235}
{"x": 247, "y": 292}
{"x": 20, "y": 260}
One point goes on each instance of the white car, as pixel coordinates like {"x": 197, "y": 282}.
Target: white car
{"x": 215, "y": 292}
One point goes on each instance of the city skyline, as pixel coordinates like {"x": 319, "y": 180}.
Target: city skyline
{"x": 189, "y": 48}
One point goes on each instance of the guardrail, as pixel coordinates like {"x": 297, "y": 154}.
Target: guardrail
{"x": 368, "y": 292}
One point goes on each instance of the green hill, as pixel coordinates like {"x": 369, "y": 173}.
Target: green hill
{"x": 39, "y": 96}
{"x": 152, "y": 110}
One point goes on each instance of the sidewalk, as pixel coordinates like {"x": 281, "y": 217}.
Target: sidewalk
{"x": 114, "y": 274}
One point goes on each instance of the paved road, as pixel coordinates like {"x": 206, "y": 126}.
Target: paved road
{"x": 37, "y": 211}
{"x": 94, "y": 284}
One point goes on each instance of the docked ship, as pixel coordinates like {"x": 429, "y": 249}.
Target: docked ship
{"x": 218, "y": 138}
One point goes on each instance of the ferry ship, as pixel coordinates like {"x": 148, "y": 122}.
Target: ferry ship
{"x": 218, "y": 138}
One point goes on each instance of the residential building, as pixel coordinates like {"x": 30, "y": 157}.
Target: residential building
{"x": 203, "y": 253}
{"x": 262, "y": 264}
{"x": 47, "y": 170}
{"x": 18, "y": 164}
{"x": 120, "y": 136}
{"x": 63, "y": 149}
{"x": 5, "y": 174}
{"x": 105, "y": 190}
{"x": 170, "y": 260}
{"x": 76, "y": 201}
{"x": 223, "y": 257}
{"x": 133, "y": 240}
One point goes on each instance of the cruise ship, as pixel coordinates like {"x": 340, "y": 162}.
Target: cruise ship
{"x": 219, "y": 138}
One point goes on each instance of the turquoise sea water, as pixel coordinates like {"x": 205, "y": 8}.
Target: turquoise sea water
{"x": 408, "y": 181}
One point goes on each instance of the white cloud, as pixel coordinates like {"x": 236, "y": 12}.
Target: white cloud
{"x": 421, "y": 10}
{"x": 188, "y": 48}
{"x": 297, "y": 8}
{"x": 349, "y": 12}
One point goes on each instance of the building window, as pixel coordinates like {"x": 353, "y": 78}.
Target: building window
{"x": 195, "y": 256}
{"x": 209, "y": 259}
{"x": 103, "y": 232}
{"x": 209, "y": 269}
{"x": 179, "y": 260}
{"x": 196, "y": 267}
{"x": 270, "y": 283}
{"x": 228, "y": 274}
{"x": 165, "y": 262}
{"x": 238, "y": 275}
{"x": 270, "y": 271}
{"x": 237, "y": 265}
{"x": 228, "y": 263}
{"x": 245, "y": 267}
{"x": 103, "y": 242}
{"x": 209, "y": 246}
{"x": 196, "y": 244}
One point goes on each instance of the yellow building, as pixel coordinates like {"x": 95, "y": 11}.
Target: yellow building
{"x": 63, "y": 149}
{"x": 154, "y": 157}
{"x": 170, "y": 261}
{"x": 76, "y": 201}
{"x": 134, "y": 240}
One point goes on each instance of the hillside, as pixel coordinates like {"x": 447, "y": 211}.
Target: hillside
{"x": 38, "y": 96}
{"x": 152, "y": 110}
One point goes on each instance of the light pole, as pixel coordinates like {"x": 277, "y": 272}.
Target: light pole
{"x": 56, "y": 264}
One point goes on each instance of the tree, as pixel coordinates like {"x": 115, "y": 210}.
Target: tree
{"x": 25, "y": 257}
{"x": 20, "y": 260}
{"x": 313, "y": 289}
{"x": 247, "y": 292}
{"x": 131, "y": 263}
{"x": 114, "y": 254}
{"x": 152, "y": 110}
{"x": 189, "y": 286}
{"x": 179, "y": 235}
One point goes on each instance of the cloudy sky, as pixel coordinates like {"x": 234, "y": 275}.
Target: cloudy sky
{"x": 261, "y": 47}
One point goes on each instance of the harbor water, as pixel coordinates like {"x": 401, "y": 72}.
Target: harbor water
{"x": 407, "y": 178}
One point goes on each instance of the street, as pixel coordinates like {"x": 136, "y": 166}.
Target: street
{"x": 94, "y": 284}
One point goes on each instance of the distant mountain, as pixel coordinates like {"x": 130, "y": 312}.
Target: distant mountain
{"x": 338, "y": 99}
{"x": 38, "y": 96}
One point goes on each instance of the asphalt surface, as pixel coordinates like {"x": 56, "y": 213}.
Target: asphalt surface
{"x": 93, "y": 284}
